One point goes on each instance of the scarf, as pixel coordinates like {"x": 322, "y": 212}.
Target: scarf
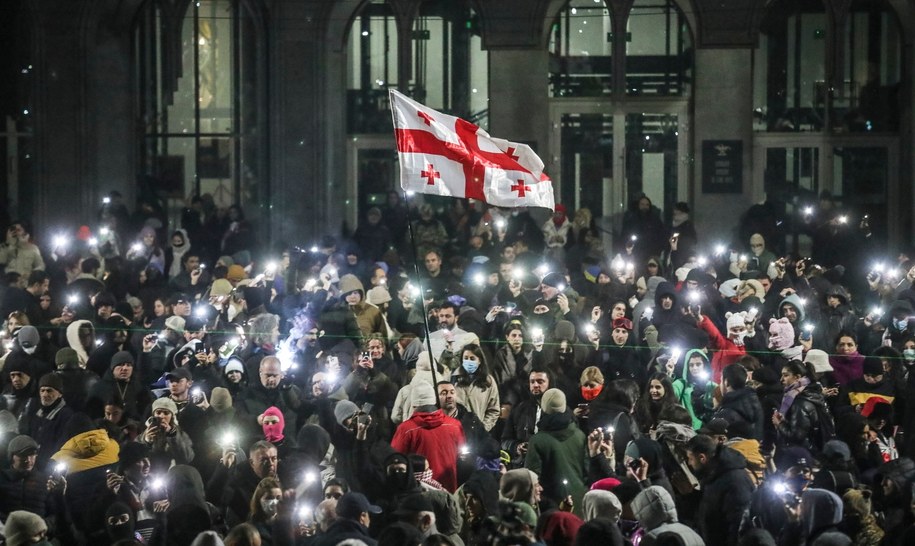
{"x": 791, "y": 392}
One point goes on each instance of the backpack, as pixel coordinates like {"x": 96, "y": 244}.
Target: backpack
{"x": 825, "y": 428}
{"x": 673, "y": 454}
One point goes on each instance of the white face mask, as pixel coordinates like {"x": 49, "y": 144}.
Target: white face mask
{"x": 30, "y": 350}
{"x": 270, "y": 506}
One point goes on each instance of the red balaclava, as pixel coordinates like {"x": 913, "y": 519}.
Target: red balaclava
{"x": 274, "y": 432}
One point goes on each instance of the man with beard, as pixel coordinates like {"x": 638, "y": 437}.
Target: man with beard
{"x": 726, "y": 488}
{"x": 449, "y": 336}
{"x": 479, "y": 442}
{"x": 46, "y": 417}
{"x": 522, "y": 421}
{"x": 23, "y": 487}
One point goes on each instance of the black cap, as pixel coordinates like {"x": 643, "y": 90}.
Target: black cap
{"x": 178, "y": 297}
{"x": 121, "y": 357}
{"x": 715, "y": 427}
{"x": 351, "y": 505}
{"x": 178, "y": 374}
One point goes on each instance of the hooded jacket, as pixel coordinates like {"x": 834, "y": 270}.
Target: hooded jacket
{"x": 518, "y": 486}
{"x": 174, "y": 254}
{"x": 692, "y": 395}
{"x": 660, "y": 316}
{"x": 558, "y": 453}
{"x": 821, "y": 513}
{"x": 655, "y": 510}
{"x": 795, "y": 301}
{"x": 598, "y": 503}
{"x": 136, "y": 398}
{"x": 73, "y": 339}
{"x": 726, "y": 492}
{"x": 368, "y": 317}
{"x": 802, "y": 419}
{"x": 438, "y": 438}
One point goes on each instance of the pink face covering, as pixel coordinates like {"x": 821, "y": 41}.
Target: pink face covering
{"x": 274, "y": 432}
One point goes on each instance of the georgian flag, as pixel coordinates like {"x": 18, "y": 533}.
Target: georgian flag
{"x": 445, "y": 155}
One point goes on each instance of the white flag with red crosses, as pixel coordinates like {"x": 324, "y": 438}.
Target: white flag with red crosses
{"x": 445, "y": 155}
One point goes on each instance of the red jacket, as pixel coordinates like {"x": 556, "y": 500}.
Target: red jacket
{"x": 436, "y": 437}
{"x": 726, "y": 352}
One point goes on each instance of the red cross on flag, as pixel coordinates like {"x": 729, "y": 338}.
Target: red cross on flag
{"x": 445, "y": 155}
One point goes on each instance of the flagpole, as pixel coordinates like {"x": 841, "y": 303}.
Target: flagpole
{"x": 422, "y": 299}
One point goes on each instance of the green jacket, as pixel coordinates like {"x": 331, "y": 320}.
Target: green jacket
{"x": 684, "y": 389}
{"x": 557, "y": 452}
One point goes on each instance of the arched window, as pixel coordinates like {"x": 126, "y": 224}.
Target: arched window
{"x": 790, "y": 91}
{"x": 372, "y": 68}
{"x": 581, "y": 49}
{"x": 201, "y": 100}
{"x": 659, "y": 49}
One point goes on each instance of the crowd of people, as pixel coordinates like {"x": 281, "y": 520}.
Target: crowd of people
{"x": 451, "y": 373}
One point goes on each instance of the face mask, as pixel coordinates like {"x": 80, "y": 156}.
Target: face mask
{"x": 270, "y": 506}
{"x": 591, "y": 393}
{"x": 399, "y": 479}
{"x": 909, "y": 354}
{"x": 30, "y": 350}
{"x": 900, "y": 324}
{"x": 273, "y": 432}
{"x": 470, "y": 366}
{"x": 738, "y": 338}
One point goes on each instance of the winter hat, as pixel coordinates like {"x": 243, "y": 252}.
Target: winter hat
{"x": 121, "y": 357}
{"x": 873, "y": 366}
{"x": 378, "y": 295}
{"x": 66, "y": 358}
{"x": 255, "y": 296}
{"x": 236, "y": 273}
{"x": 20, "y": 445}
{"x": 18, "y": 362}
{"x": 553, "y": 279}
{"x": 274, "y": 432}
{"x": 21, "y": 526}
{"x": 234, "y": 365}
{"x": 166, "y": 404}
{"x": 736, "y": 319}
{"x": 343, "y": 410}
{"x": 793, "y": 456}
{"x": 226, "y": 261}
{"x": 422, "y": 394}
{"x": 52, "y": 380}
{"x": 564, "y": 330}
{"x": 423, "y": 364}
{"x": 132, "y": 452}
{"x": 28, "y": 337}
{"x": 754, "y": 286}
{"x": 175, "y": 323}
{"x": 857, "y": 501}
{"x": 553, "y": 401}
{"x": 221, "y": 287}
{"x": 221, "y": 399}
{"x": 781, "y": 334}
{"x": 728, "y": 288}
{"x": 560, "y": 528}
{"x": 819, "y": 359}
{"x": 606, "y": 484}
{"x": 836, "y": 449}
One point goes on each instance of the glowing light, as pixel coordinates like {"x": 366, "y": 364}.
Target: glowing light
{"x": 479, "y": 279}
{"x": 60, "y": 468}
{"x": 158, "y": 483}
{"x": 542, "y": 269}
{"x": 304, "y": 511}
{"x": 311, "y": 477}
{"x": 720, "y": 249}
{"x": 465, "y": 450}
{"x": 618, "y": 264}
{"x": 73, "y": 298}
{"x": 60, "y": 241}
{"x": 537, "y": 333}
{"x": 93, "y": 241}
{"x": 517, "y": 273}
{"x": 808, "y": 327}
{"x": 98, "y": 342}
{"x": 106, "y": 200}
{"x": 200, "y": 312}
{"x": 808, "y": 210}
{"x": 271, "y": 268}
{"x": 878, "y": 311}
{"x": 500, "y": 223}
{"x": 843, "y": 219}
{"x": 702, "y": 261}
{"x": 780, "y": 487}
{"x": 137, "y": 247}
{"x": 634, "y": 238}
{"x": 879, "y": 267}
{"x": 103, "y": 231}
{"x": 314, "y": 248}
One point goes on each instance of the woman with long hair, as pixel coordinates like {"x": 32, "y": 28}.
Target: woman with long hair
{"x": 658, "y": 395}
{"x": 265, "y": 504}
{"x": 476, "y": 388}
{"x": 803, "y": 412}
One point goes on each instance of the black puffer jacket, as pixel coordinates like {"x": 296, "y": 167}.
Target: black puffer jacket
{"x": 743, "y": 405}
{"x": 726, "y": 492}
{"x": 801, "y": 421}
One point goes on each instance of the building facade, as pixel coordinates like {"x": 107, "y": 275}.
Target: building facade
{"x": 281, "y": 105}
